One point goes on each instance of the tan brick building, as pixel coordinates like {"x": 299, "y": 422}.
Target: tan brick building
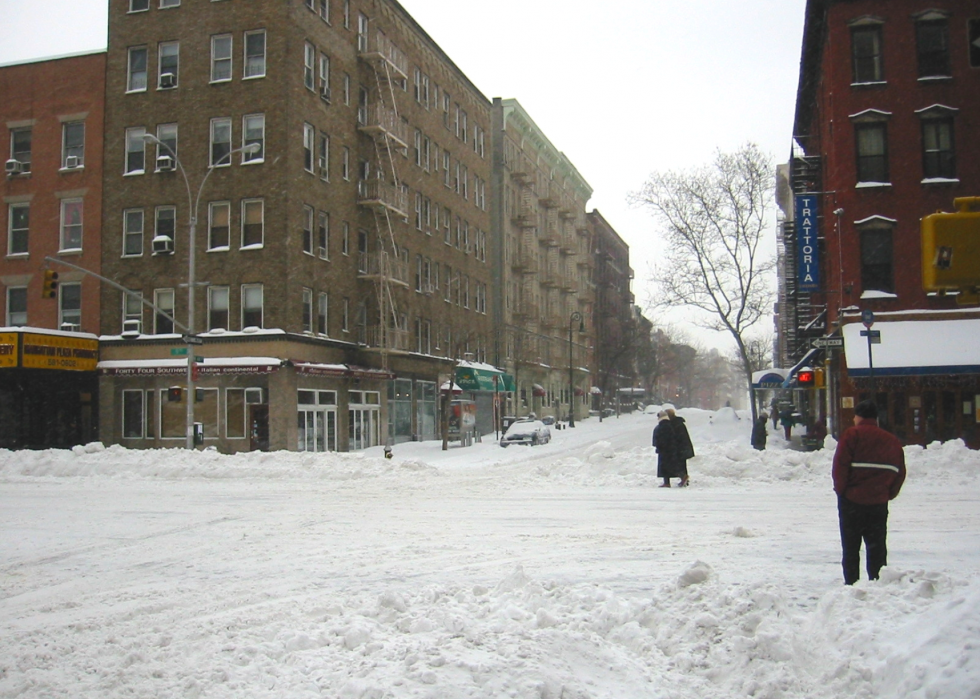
{"x": 336, "y": 165}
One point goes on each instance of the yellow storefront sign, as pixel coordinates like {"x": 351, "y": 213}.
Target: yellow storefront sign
{"x": 57, "y": 352}
{"x": 8, "y": 350}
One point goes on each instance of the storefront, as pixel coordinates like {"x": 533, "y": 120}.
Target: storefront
{"x": 488, "y": 388}
{"x": 48, "y": 388}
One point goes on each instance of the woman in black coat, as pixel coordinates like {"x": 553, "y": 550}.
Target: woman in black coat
{"x": 760, "y": 432}
{"x": 665, "y": 441}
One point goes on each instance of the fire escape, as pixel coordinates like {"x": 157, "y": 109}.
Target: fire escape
{"x": 381, "y": 191}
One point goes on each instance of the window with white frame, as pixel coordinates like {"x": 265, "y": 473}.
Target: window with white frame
{"x": 18, "y": 228}
{"x": 165, "y": 222}
{"x": 135, "y": 151}
{"x": 323, "y": 156}
{"x": 253, "y": 132}
{"x": 218, "y": 307}
{"x": 70, "y": 305}
{"x": 139, "y": 5}
{"x": 169, "y": 3}
{"x": 322, "y": 308}
{"x": 325, "y": 10}
{"x": 309, "y": 61}
{"x": 16, "y": 306}
{"x": 255, "y": 54}
{"x": 221, "y": 58}
{"x": 866, "y": 51}
{"x": 309, "y": 137}
{"x": 136, "y": 70}
{"x": 325, "y": 76}
{"x": 220, "y": 142}
{"x": 167, "y": 141}
{"x": 346, "y": 89}
{"x": 132, "y": 232}
{"x": 20, "y": 147}
{"x": 307, "y": 234}
{"x": 252, "y": 300}
{"x": 346, "y": 14}
{"x": 317, "y": 420}
{"x": 132, "y": 307}
{"x": 72, "y": 144}
{"x": 306, "y": 311}
{"x": 253, "y": 223}
{"x": 345, "y": 164}
{"x": 219, "y": 226}
{"x": 323, "y": 235}
{"x": 134, "y": 414}
{"x": 71, "y": 224}
{"x": 345, "y": 315}
{"x": 168, "y": 65}
{"x": 362, "y": 32}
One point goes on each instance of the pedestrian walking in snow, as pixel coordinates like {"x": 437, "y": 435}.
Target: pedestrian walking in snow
{"x": 869, "y": 469}
{"x": 685, "y": 448}
{"x": 665, "y": 442}
{"x": 760, "y": 432}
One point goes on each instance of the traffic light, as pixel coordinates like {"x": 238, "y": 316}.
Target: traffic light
{"x": 174, "y": 394}
{"x": 49, "y": 290}
{"x": 951, "y": 249}
{"x": 805, "y": 378}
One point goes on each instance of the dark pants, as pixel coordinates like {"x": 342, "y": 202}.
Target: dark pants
{"x": 862, "y": 522}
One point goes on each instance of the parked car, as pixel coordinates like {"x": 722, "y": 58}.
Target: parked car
{"x": 528, "y": 432}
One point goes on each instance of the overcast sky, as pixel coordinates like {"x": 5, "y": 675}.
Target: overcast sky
{"x": 623, "y": 87}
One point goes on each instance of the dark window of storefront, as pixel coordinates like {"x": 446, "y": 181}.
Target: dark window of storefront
{"x": 948, "y": 428}
{"x": 931, "y": 416}
{"x": 899, "y": 404}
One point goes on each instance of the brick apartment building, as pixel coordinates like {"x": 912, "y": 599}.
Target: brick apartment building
{"x": 336, "y": 166}
{"x": 51, "y": 114}
{"x": 544, "y": 293}
{"x": 887, "y": 129}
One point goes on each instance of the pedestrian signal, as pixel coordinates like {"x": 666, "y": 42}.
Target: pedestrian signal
{"x": 805, "y": 378}
{"x": 174, "y": 393}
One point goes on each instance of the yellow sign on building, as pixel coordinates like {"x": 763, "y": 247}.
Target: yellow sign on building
{"x": 8, "y": 350}
{"x": 59, "y": 352}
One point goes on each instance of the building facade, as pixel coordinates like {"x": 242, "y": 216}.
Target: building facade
{"x": 51, "y": 113}
{"x": 301, "y": 187}
{"x": 886, "y": 132}
{"x": 543, "y": 286}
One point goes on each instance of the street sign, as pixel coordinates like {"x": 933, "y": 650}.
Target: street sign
{"x": 874, "y": 336}
{"x": 178, "y": 351}
{"x": 867, "y": 317}
{"x": 193, "y": 340}
{"x": 829, "y": 342}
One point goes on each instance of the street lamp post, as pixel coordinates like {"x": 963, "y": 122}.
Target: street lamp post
{"x": 192, "y": 206}
{"x": 576, "y": 315}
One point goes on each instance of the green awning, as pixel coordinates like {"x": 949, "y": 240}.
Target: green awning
{"x": 471, "y": 379}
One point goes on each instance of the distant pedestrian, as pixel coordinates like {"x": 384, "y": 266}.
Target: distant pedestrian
{"x": 774, "y": 412}
{"x": 869, "y": 470}
{"x": 787, "y": 421}
{"x": 685, "y": 448}
{"x": 665, "y": 442}
{"x": 818, "y": 432}
{"x": 760, "y": 432}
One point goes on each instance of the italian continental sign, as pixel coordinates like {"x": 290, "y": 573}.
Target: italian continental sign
{"x": 58, "y": 352}
{"x": 807, "y": 259}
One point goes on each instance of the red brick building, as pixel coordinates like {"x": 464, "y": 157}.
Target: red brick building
{"x": 51, "y": 115}
{"x": 887, "y": 130}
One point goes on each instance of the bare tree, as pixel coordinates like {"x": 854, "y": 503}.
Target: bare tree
{"x": 715, "y": 218}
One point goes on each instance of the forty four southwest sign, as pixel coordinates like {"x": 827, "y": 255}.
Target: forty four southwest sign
{"x": 807, "y": 258}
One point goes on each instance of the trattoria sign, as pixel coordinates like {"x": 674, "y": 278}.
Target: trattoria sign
{"x": 807, "y": 255}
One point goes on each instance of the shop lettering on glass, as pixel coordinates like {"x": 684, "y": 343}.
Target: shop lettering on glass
{"x": 808, "y": 261}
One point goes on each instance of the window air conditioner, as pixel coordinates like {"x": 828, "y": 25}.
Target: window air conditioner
{"x": 168, "y": 80}
{"x": 14, "y": 167}
{"x": 72, "y": 161}
{"x": 132, "y": 328}
{"x": 325, "y": 94}
{"x": 253, "y": 396}
{"x": 165, "y": 163}
{"x": 163, "y": 245}
{"x": 322, "y": 252}
{"x": 70, "y": 327}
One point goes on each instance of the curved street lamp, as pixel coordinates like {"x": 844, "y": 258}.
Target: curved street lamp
{"x": 576, "y": 315}
{"x": 192, "y": 205}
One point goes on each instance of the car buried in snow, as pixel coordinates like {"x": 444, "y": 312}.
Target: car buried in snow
{"x": 530, "y": 432}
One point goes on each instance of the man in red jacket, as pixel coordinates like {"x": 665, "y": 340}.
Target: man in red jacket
{"x": 869, "y": 469}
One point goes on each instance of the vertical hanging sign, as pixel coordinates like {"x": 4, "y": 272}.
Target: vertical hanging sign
{"x": 807, "y": 257}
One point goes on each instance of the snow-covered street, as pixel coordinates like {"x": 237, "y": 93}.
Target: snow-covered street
{"x": 554, "y": 572}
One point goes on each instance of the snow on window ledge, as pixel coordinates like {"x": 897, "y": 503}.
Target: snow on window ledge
{"x": 941, "y": 180}
{"x": 872, "y": 185}
{"x": 875, "y": 294}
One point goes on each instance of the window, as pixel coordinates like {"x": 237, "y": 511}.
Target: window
{"x": 16, "y": 305}
{"x": 251, "y": 306}
{"x": 165, "y": 225}
{"x": 132, "y": 307}
{"x": 973, "y": 37}
{"x": 135, "y": 151}
{"x": 221, "y": 47}
{"x": 323, "y": 157}
{"x": 872, "y": 152}
{"x": 18, "y": 226}
{"x": 218, "y": 299}
{"x": 876, "y": 257}
{"x": 70, "y": 305}
{"x": 169, "y": 3}
{"x": 220, "y": 142}
{"x": 866, "y": 53}
{"x": 219, "y": 226}
{"x": 323, "y": 235}
{"x": 362, "y": 251}
{"x": 322, "y": 306}
{"x": 307, "y": 310}
{"x": 345, "y": 316}
{"x": 362, "y": 105}
{"x": 346, "y": 14}
{"x": 168, "y": 65}
{"x": 167, "y": 145}
{"x": 253, "y": 132}
{"x": 235, "y": 413}
{"x": 309, "y": 58}
{"x": 345, "y": 164}
{"x": 132, "y": 232}
{"x": 255, "y": 54}
{"x": 71, "y": 224}
{"x": 20, "y": 147}
{"x": 253, "y": 223}
{"x": 163, "y": 299}
{"x": 309, "y": 135}
{"x": 325, "y": 10}
{"x": 308, "y": 230}
{"x": 133, "y": 414}
{"x": 938, "y": 154}
{"x": 932, "y": 46}
{"x": 139, "y": 5}
{"x": 345, "y": 240}
{"x": 325, "y": 76}
{"x": 362, "y": 33}
{"x": 136, "y": 77}
{"x": 73, "y": 144}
